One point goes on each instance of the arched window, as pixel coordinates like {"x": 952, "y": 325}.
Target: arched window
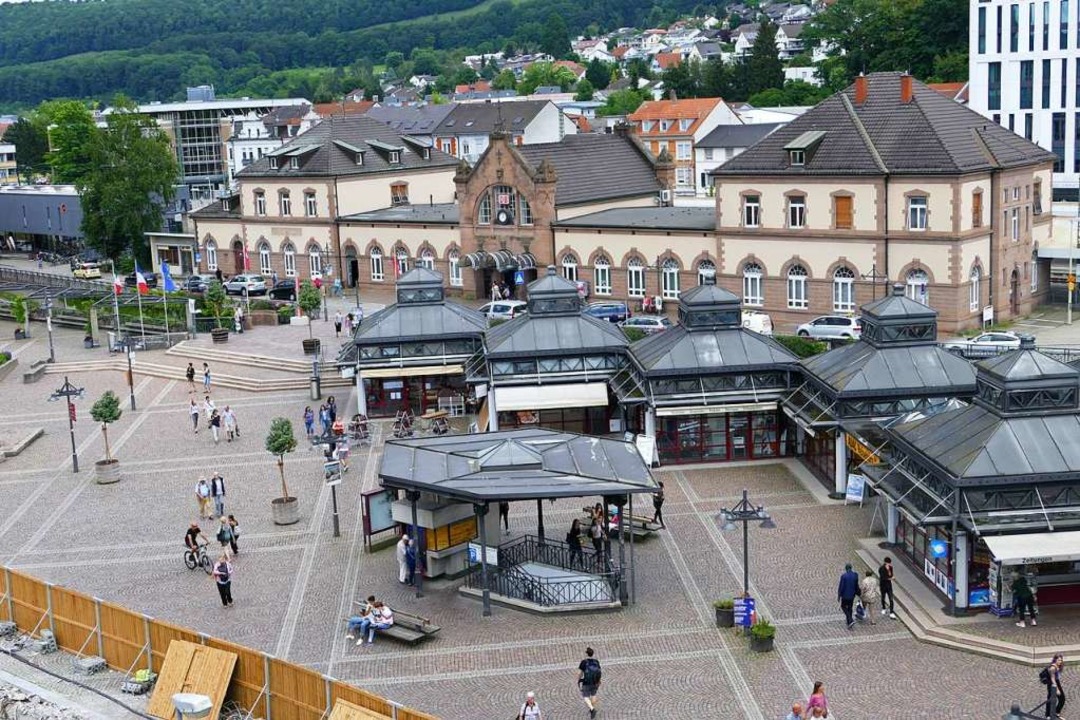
{"x": 635, "y": 278}
{"x": 264, "y": 259}
{"x": 427, "y": 259}
{"x": 973, "y": 292}
{"x": 669, "y": 276}
{"x": 917, "y": 283}
{"x": 377, "y": 272}
{"x": 455, "y": 267}
{"x": 796, "y": 287}
{"x": 843, "y": 290}
{"x": 290, "y": 259}
{"x": 483, "y": 214}
{"x": 602, "y": 276}
{"x": 753, "y": 293}
{"x": 569, "y": 267}
{"x": 401, "y": 261}
{"x": 705, "y": 269}
{"x": 211, "y": 255}
{"x": 315, "y": 261}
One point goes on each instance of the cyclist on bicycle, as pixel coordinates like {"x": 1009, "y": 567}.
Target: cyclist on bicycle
{"x": 191, "y": 538}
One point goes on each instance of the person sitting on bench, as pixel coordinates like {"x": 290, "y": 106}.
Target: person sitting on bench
{"x": 356, "y": 621}
{"x": 383, "y": 620}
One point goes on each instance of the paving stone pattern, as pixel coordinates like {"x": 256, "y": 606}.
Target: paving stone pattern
{"x": 662, "y": 657}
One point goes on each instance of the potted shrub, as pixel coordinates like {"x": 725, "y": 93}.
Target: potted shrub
{"x": 107, "y": 411}
{"x": 285, "y": 314}
{"x": 762, "y": 635}
{"x": 217, "y": 301}
{"x": 280, "y": 440}
{"x": 309, "y": 300}
{"x": 725, "y": 612}
{"x": 21, "y": 311}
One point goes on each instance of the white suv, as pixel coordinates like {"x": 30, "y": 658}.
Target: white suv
{"x": 832, "y": 327}
{"x": 504, "y": 309}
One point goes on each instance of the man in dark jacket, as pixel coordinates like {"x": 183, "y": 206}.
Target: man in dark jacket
{"x": 885, "y": 577}
{"x": 846, "y": 593}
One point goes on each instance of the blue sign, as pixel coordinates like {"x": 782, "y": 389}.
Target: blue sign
{"x": 939, "y": 548}
{"x": 519, "y": 278}
{"x": 744, "y": 611}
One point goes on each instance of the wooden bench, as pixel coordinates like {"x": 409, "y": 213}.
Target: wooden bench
{"x": 407, "y": 628}
{"x": 640, "y": 526}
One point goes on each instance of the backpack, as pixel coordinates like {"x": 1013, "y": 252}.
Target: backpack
{"x": 224, "y": 534}
{"x": 591, "y": 674}
{"x": 223, "y": 572}
{"x": 1044, "y": 676}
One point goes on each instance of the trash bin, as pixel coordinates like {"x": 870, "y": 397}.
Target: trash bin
{"x": 316, "y": 387}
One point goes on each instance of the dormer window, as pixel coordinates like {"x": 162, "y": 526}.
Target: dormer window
{"x": 395, "y": 157}
{"x": 664, "y": 125}
{"x": 294, "y": 163}
{"x": 802, "y": 149}
{"x": 273, "y": 163}
{"x": 647, "y": 125}
{"x": 797, "y": 157}
{"x": 685, "y": 123}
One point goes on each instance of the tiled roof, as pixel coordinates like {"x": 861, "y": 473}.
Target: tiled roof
{"x": 744, "y": 136}
{"x": 421, "y": 213}
{"x": 332, "y": 145}
{"x": 675, "y": 109}
{"x": 595, "y": 166}
{"x": 667, "y": 60}
{"x": 619, "y": 51}
{"x": 413, "y": 120}
{"x": 343, "y": 108}
{"x": 481, "y": 118}
{"x": 660, "y": 218}
{"x": 570, "y": 65}
{"x": 929, "y": 135}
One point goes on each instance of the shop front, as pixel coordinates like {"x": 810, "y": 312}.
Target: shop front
{"x": 576, "y": 407}
{"x": 416, "y": 389}
{"x": 720, "y": 436}
{"x": 179, "y": 250}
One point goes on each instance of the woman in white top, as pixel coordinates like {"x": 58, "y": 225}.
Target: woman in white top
{"x": 530, "y": 710}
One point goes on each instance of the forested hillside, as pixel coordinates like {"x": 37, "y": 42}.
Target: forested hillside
{"x": 151, "y": 49}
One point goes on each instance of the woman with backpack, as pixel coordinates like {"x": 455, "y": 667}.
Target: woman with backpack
{"x": 1050, "y": 676}
{"x": 235, "y": 526}
{"x": 222, "y": 574}
{"x": 225, "y": 537}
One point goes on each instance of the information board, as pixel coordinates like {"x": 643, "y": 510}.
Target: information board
{"x": 474, "y": 554}
{"x": 856, "y": 486}
{"x": 378, "y": 510}
{"x": 744, "y": 611}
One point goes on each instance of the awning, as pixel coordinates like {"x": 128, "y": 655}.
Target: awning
{"x": 504, "y": 260}
{"x": 500, "y": 260}
{"x": 1034, "y": 547}
{"x": 551, "y": 397}
{"x": 715, "y": 409}
{"x": 419, "y": 371}
{"x": 526, "y": 261}
{"x": 476, "y": 260}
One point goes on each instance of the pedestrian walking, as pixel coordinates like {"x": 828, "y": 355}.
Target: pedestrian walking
{"x": 337, "y": 324}
{"x": 871, "y": 594}
{"x": 225, "y": 536}
{"x": 208, "y": 407}
{"x": 223, "y": 572}
{"x": 331, "y": 408}
{"x": 885, "y": 578}
{"x": 11, "y": 242}
{"x": 324, "y": 419}
{"x": 401, "y": 551}
{"x": 846, "y": 592}
{"x": 1023, "y": 599}
{"x": 817, "y": 703}
{"x": 190, "y": 375}
{"x": 530, "y": 710}
{"x": 273, "y": 278}
{"x": 658, "y": 506}
{"x": 357, "y": 318}
{"x": 215, "y": 425}
{"x": 589, "y": 676}
{"x": 597, "y": 535}
{"x": 238, "y": 320}
{"x": 231, "y": 429}
{"x": 235, "y": 526}
{"x": 217, "y": 492}
{"x": 573, "y": 540}
{"x": 796, "y": 712}
{"x": 504, "y": 515}
{"x": 1051, "y": 677}
{"x": 206, "y": 377}
{"x": 410, "y": 560}
{"x": 193, "y": 410}
{"x": 40, "y": 260}
{"x": 309, "y": 421}
{"x": 202, "y": 497}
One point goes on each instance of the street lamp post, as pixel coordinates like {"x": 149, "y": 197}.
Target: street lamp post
{"x": 130, "y": 373}
{"x": 48, "y": 326}
{"x": 69, "y": 391}
{"x": 745, "y": 513}
{"x": 331, "y": 439}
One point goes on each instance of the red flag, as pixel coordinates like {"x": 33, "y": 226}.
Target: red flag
{"x": 140, "y": 281}
{"x": 247, "y": 260}
{"x": 117, "y": 285}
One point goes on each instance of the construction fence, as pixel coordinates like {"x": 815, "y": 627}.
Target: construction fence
{"x": 129, "y": 641}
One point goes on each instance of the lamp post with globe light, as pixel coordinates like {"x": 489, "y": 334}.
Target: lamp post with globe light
{"x": 745, "y": 512}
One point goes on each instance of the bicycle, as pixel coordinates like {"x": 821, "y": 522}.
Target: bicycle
{"x": 199, "y": 558}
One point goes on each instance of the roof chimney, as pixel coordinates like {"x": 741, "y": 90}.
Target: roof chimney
{"x": 862, "y": 89}
{"x": 898, "y": 289}
{"x": 906, "y": 89}
{"x": 672, "y": 95}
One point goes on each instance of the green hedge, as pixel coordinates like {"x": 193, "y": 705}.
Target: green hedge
{"x": 801, "y": 347}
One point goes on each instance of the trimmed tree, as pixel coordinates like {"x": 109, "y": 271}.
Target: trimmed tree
{"x": 280, "y": 441}
{"x": 216, "y": 300}
{"x": 310, "y": 300}
{"x": 106, "y": 411}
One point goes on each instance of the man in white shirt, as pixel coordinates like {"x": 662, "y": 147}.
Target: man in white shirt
{"x": 530, "y": 710}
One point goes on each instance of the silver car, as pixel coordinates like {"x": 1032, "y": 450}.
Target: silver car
{"x": 254, "y": 284}
{"x": 504, "y": 309}
{"x": 648, "y": 324}
{"x": 831, "y": 327}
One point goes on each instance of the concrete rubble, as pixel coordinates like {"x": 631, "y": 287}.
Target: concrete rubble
{"x": 18, "y": 705}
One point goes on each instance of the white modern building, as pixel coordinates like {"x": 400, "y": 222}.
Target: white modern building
{"x": 1024, "y": 72}
{"x": 8, "y": 173}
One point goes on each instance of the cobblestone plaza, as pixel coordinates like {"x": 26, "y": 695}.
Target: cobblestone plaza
{"x": 662, "y": 656}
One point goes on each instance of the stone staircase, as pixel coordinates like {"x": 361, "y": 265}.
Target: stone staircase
{"x": 191, "y": 352}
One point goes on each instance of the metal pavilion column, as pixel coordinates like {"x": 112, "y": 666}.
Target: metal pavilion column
{"x": 841, "y": 464}
{"x": 481, "y": 510}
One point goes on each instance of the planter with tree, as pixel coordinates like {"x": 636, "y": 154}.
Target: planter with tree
{"x": 762, "y": 635}
{"x": 309, "y": 300}
{"x": 107, "y": 411}
{"x": 216, "y": 301}
{"x": 21, "y": 312}
{"x": 279, "y": 442}
{"x": 725, "y": 612}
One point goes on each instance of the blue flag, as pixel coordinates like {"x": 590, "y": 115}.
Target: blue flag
{"x": 166, "y": 278}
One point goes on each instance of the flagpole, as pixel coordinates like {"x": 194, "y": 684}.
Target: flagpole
{"x": 116, "y": 311}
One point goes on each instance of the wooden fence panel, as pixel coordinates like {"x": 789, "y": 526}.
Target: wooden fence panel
{"x": 248, "y": 676}
{"x": 74, "y": 620}
{"x": 356, "y": 696}
{"x": 5, "y": 616}
{"x": 298, "y": 693}
{"x": 162, "y": 634}
{"x": 29, "y": 601}
{"x": 124, "y": 634}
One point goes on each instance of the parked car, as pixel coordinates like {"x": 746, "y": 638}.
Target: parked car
{"x": 759, "y": 322}
{"x": 284, "y": 290}
{"x": 984, "y": 345}
{"x": 87, "y": 271}
{"x": 199, "y": 283}
{"x": 504, "y": 309}
{"x": 254, "y": 284}
{"x": 832, "y": 327}
{"x": 615, "y": 312}
{"x": 648, "y": 324}
{"x": 151, "y": 280}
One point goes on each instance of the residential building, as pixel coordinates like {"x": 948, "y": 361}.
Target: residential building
{"x": 283, "y": 217}
{"x": 705, "y": 51}
{"x": 343, "y": 107}
{"x": 577, "y": 68}
{"x": 665, "y": 61}
{"x": 1024, "y": 70}
{"x": 414, "y": 120}
{"x": 9, "y": 174}
{"x": 676, "y": 126}
{"x": 789, "y": 40}
{"x": 806, "y": 74}
{"x": 464, "y": 132}
{"x": 886, "y": 182}
{"x": 253, "y": 135}
{"x": 722, "y": 144}
{"x": 743, "y": 37}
